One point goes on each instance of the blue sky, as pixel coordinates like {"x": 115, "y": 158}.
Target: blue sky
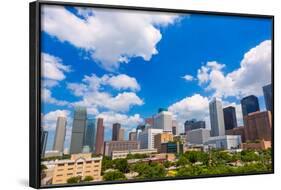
{"x": 146, "y": 64}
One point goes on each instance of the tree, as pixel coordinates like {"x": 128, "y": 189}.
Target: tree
{"x": 182, "y": 161}
{"x": 88, "y": 178}
{"x": 121, "y": 165}
{"x": 113, "y": 175}
{"x": 249, "y": 156}
{"x": 107, "y": 163}
{"x": 75, "y": 179}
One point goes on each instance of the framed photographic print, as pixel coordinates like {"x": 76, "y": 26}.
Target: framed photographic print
{"x": 124, "y": 94}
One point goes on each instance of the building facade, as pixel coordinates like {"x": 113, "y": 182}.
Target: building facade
{"x": 216, "y": 118}
{"x": 43, "y": 139}
{"x": 230, "y": 120}
{"x": 99, "y": 137}
{"x": 133, "y": 136}
{"x": 268, "y": 99}
{"x": 258, "y": 126}
{"x": 90, "y": 134}
{"x": 60, "y": 134}
{"x": 172, "y": 147}
{"x": 226, "y": 142}
{"x": 163, "y": 120}
{"x": 162, "y": 138}
{"x": 78, "y": 130}
{"x": 237, "y": 131}
{"x": 198, "y": 136}
{"x": 115, "y": 131}
{"x": 249, "y": 105}
{"x": 146, "y": 138}
{"x": 110, "y": 146}
{"x": 193, "y": 124}
{"x": 124, "y": 153}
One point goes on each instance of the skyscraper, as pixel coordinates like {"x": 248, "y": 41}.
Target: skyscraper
{"x": 99, "y": 136}
{"x": 193, "y": 124}
{"x": 249, "y": 104}
{"x": 60, "y": 134}
{"x": 78, "y": 130}
{"x": 44, "y": 138}
{"x": 174, "y": 127}
{"x": 229, "y": 115}
{"x": 163, "y": 120}
{"x": 115, "y": 131}
{"x": 146, "y": 138}
{"x": 216, "y": 118}
{"x": 121, "y": 134}
{"x": 132, "y": 136}
{"x": 267, "y": 92}
{"x": 90, "y": 134}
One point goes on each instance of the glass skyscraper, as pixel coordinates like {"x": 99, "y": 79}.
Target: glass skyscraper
{"x": 90, "y": 134}
{"x": 249, "y": 104}
{"x": 230, "y": 120}
{"x": 267, "y": 92}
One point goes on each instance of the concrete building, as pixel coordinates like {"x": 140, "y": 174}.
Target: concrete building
{"x": 172, "y": 147}
{"x": 198, "y": 136}
{"x": 163, "y": 120}
{"x": 162, "y": 138}
{"x": 268, "y": 99}
{"x": 124, "y": 153}
{"x": 193, "y": 124}
{"x": 230, "y": 120}
{"x": 99, "y": 137}
{"x": 133, "y": 136}
{"x": 60, "y": 134}
{"x": 237, "y": 131}
{"x": 115, "y": 131}
{"x": 52, "y": 153}
{"x": 216, "y": 118}
{"x": 78, "y": 165}
{"x": 249, "y": 105}
{"x": 260, "y": 145}
{"x": 43, "y": 139}
{"x": 258, "y": 126}
{"x": 182, "y": 138}
{"x": 121, "y": 134}
{"x": 78, "y": 130}
{"x": 110, "y": 146}
{"x": 227, "y": 142}
{"x": 146, "y": 137}
{"x": 90, "y": 134}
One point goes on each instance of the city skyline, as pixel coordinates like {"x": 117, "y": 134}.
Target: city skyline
{"x": 129, "y": 93}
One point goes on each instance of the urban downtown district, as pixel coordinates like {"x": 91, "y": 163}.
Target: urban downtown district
{"x": 157, "y": 150}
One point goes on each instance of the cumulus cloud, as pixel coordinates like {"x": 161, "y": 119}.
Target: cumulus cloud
{"x": 48, "y": 98}
{"x": 188, "y": 77}
{"x": 254, "y": 72}
{"x": 110, "y": 36}
{"x": 49, "y": 119}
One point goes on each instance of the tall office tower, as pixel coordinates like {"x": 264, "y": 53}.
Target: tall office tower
{"x": 174, "y": 127}
{"x": 121, "y": 134}
{"x": 90, "y": 134}
{"x": 44, "y": 138}
{"x": 216, "y": 118}
{"x": 132, "y": 136}
{"x": 249, "y": 104}
{"x": 193, "y": 124}
{"x": 99, "y": 136}
{"x": 146, "y": 138}
{"x": 115, "y": 131}
{"x": 60, "y": 134}
{"x": 229, "y": 115}
{"x": 78, "y": 130}
{"x": 267, "y": 93}
{"x": 258, "y": 126}
{"x": 163, "y": 120}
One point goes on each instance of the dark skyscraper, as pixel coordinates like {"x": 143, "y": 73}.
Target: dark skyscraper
{"x": 90, "y": 134}
{"x": 267, "y": 92}
{"x": 230, "y": 120}
{"x": 115, "y": 131}
{"x": 193, "y": 124}
{"x": 78, "y": 130}
{"x": 249, "y": 104}
{"x": 133, "y": 136}
{"x": 99, "y": 136}
{"x": 44, "y": 137}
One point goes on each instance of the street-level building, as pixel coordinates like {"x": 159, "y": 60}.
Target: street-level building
{"x": 226, "y": 142}
{"x": 110, "y": 146}
{"x": 124, "y": 153}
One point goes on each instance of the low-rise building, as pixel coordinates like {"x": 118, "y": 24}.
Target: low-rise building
{"x": 124, "y": 153}
{"x": 198, "y": 136}
{"x": 52, "y": 153}
{"x": 172, "y": 147}
{"x": 260, "y": 145}
{"x": 237, "y": 131}
{"x": 225, "y": 142}
{"x": 162, "y": 138}
{"x": 110, "y": 146}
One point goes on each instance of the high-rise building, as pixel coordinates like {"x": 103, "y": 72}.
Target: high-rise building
{"x": 115, "y": 131}
{"x": 121, "y": 134}
{"x": 133, "y": 136}
{"x": 60, "y": 134}
{"x": 193, "y": 124}
{"x": 258, "y": 126}
{"x": 229, "y": 115}
{"x": 44, "y": 138}
{"x": 267, "y": 92}
{"x": 216, "y": 118}
{"x": 163, "y": 120}
{"x": 174, "y": 127}
{"x": 78, "y": 130}
{"x": 99, "y": 136}
{"x": 110, "y": 146}
{"x": 146, "y": 138}
{"x": 90, "y": 134}
{"x": 237, "y": 131}
{"x": 198, "y": 136}
{"x": 249, "y": 104}
{"x": 162, "y": 138}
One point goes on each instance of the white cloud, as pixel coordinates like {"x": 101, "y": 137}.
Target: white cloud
{"x": 121, "y": 82}
{"x": 49, "y": 119}
{"x": 195, "y": 106}
{"x": 53, "y": 68}
{"x": 47, "y": 98}
{"x": 254, "y": 72}
{"x": 188, "y": 77}
{"x": 112, "y": 37}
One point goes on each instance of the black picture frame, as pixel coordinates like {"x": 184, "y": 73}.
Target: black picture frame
{"x": 35, "y": 87}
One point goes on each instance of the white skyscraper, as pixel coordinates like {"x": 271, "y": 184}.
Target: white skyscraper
{"x": 146, "y": 138}
{"x": 60, "y": 134}
{"x": 163, "y": 120}
{"x": 216, "y": 118}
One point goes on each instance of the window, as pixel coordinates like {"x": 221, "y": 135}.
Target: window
{"x": 59, "y": 165}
